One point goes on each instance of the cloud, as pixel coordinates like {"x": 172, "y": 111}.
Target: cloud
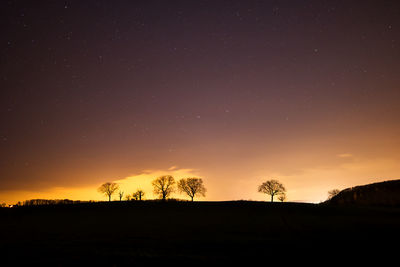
{"x": 128, "y": 184}
{"x": 345, "y": 155}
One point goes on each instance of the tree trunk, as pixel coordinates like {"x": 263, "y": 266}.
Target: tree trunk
{"x": 109, "y": 198}
{"x": 272, "y": 197}
{"x": 192, "y": 198}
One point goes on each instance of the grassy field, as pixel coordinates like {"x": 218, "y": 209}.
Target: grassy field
{"x": 120, "y": 233}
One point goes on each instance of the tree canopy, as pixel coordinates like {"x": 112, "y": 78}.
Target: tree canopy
{"x": 272, "y": 188}
{"x": 192, "y": 186}
{"x": 164, "y": 186}
{"x": 108, "y": 189}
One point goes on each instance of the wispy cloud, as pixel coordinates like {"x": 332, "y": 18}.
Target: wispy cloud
{"x": 128, "y": 184}
{"x": 345, "y": 155}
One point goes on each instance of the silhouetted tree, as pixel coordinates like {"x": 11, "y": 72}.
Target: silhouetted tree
{"x": 128, "y": 197}
{"x": 282, "y": 197}
{"x": 272, "y": 188}
{"x": 121, "y": 195}
{"x": 192, "y": 187}
{"x": 164, "y": 186}
{"x": 138, "y": 195}
{"x": 108, "y": 189}
{"x": 332, "y": 193}
{"x": 3, "y": 205}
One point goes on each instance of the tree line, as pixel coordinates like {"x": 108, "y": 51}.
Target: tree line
{"x": 40, "y": 202}
{"x": 165, "y": 185}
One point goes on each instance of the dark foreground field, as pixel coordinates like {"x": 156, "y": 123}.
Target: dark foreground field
{"x": 120, "y": 233}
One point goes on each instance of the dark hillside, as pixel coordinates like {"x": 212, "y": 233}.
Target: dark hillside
{"x": 377, "y": 194}
{"x": 120, "y": 233}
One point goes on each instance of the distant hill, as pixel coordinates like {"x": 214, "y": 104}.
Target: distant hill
{"x": 377, "y": 194}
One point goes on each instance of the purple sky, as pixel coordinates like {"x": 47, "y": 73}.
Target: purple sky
{"x": 239, "y": 91}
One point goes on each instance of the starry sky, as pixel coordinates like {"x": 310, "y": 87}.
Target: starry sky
{"x": 235, "y": 92}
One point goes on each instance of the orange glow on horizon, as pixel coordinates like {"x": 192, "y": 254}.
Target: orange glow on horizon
{"x": 304, "y": 186}
{"x": 239, "y": 94}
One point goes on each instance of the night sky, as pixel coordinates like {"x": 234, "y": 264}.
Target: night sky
{"x": 235, "y": 92}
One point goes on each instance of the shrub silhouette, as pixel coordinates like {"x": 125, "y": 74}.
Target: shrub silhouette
{"x": 121, "y": 195}
{"x": 332, "y": 193}
{"x": 282, "y": 197}
{"x": 138, "y": 195}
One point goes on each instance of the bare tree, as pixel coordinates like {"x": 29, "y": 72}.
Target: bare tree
{"x": 108, "y": 189}
{"x": 121, "y": 195}
{"x": 192, "y": 187}
{"x": 272, "y": 188}
{"x": 282, "y": 197}
{"x": 128, "y": 197}
{"x": 138, "y": 195}
{"x": 332, "y": 193}
{"x": 164, "y": 186}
